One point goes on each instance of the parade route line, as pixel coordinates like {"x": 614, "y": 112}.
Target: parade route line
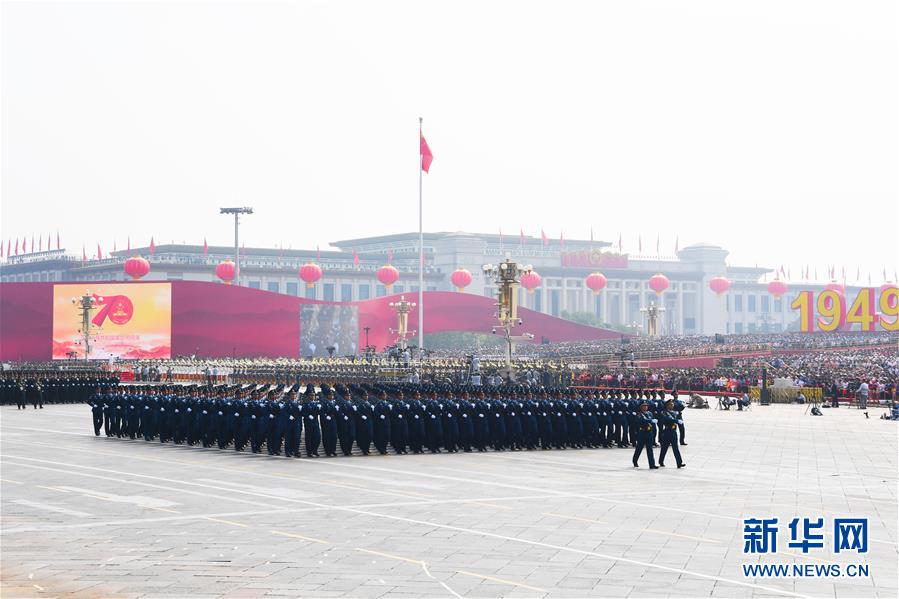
{"x": 424, "y": 567}
{"x": 296, "y": 536}
{"x": 211, "y": 519}
{"x": 502, "y": 581}
{"x": 52, "y": 508}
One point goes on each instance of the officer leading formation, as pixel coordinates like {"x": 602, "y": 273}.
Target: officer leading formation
{"x": 397, "y": 418}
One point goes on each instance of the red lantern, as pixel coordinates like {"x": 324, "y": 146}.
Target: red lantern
{"x": 658, "y": 283}
{"x": 388, "y": 275}
{"x": 530, "y": 281}
{"x": 461, "y": 278}
{"x": 136, "y": 267}
{"x": 226, "y": 270}
{"x": 777, "y": 287}
{"x": 310, "y": 273}
{"x": 596, "y": 281}
{"x": 834, "y": 286}
{"x": 719, "y": 285}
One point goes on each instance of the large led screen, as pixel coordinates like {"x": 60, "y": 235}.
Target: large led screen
{"x": 328, "y": 325}
{"x": 126, "y": 320}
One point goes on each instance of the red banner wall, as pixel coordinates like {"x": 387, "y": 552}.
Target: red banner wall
{"x": 215, "y": 320}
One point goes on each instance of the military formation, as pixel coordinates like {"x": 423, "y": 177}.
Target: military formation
{"x": 36, "y": 388}
{"x": 391, "y": 418}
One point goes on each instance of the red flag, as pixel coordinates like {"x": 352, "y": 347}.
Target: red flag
{"x": 562, "y": 238}
{"x": 521, "y": 236}
{"x": 543, "y": 236}
{"x": 318, "y": 254}
{"x": 57, "y": 241}
{"x": 425, "y": 151}
{"x": 355, "y": 258}
{"x": 48, "y": 241}
{"x": 99, "y": 252}
{"x": 205, "y": 247}
{"x": 17, "y": 246}
{"x": 32, "y": 243}
{"x": 152, "y": 247}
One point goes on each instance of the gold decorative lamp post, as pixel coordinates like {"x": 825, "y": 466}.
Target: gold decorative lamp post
{"x": 507, "y": 276}
{"x": 402, "y": 309}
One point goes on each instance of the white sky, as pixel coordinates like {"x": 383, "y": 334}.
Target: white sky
{"x": 769, "y": 128}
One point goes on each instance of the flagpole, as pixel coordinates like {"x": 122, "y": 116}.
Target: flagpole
{"x": 421, "y": 255}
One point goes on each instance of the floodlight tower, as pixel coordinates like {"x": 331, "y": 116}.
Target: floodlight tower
{"x": 236, "y": 212}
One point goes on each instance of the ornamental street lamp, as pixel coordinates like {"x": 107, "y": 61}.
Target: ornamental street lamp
{"x": 402, "y": 309}
{"x": 507, "y": 276}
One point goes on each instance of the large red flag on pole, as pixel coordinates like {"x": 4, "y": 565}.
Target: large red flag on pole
{"x": 152, "y": 247}
{"x": 543, "y": 236}
{"x": 355, "y": 258}
{"x": 521, "y": 237}
{"x": 32, "y": 243}
{"x": 205, "y": 247}
{"x": 58, "y": 246}
{"x": 426, "y": 156}
{"x": 99, "y": 252}
{"x": 17, "y": 246}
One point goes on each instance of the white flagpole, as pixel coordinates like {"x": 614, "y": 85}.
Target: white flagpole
{"x": 421, "y": 255}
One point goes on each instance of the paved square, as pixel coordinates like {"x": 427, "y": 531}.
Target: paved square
{"x": 88, "y": 516}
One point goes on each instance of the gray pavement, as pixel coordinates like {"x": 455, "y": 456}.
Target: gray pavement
{"x": 98, "y": 517}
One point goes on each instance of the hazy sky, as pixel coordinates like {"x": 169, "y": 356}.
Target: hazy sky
{"x": 769, "y": 128}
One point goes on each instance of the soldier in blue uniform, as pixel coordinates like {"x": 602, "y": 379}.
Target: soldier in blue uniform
{"x": 364, "y": 422}
{"x": 668, "y": 421}
{"x": 382, "y": 412}
{"x": 643, "y": 424}
{"x": 433, "y": 423}
{"x": 497, "y": 422}
{"x": 450, "y": 420}
{"x": 293, "y": 424}
{"x": 399, "y": 423}
{"x": 417, "y": 417}
{"x": 328, "y": 421}
{"x": 96, "y": 403}
{"x": 466, "y": 422}
{"x": 346, "y": 422}
{"x": 311, "y": 412}
{"x": 481, "y": 422}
